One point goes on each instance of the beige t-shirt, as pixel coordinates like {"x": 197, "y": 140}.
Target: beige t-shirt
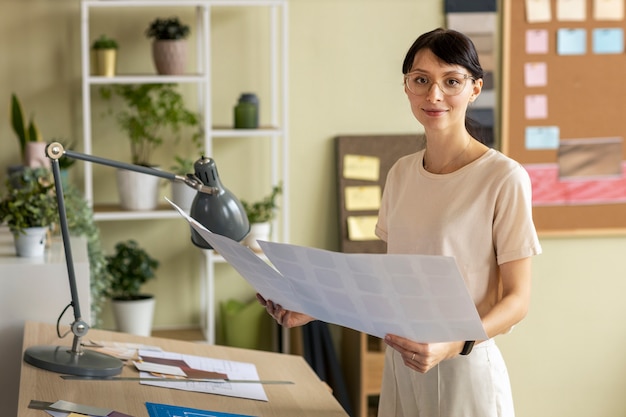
{"x": 480, "y": 214}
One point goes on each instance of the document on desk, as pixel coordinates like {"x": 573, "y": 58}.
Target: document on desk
{"x": 234, "y": 370}
{"x": 421, "y": 297}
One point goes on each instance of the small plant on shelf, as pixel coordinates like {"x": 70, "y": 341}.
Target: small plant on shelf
{"x": 104, "y": 42}
{"x": 29, "y": 200}
{"x": 151, "y": 110}
{"x": 263, "y": 210}
{"x": 129, "y": 267}
{"x": 167, "y": 29}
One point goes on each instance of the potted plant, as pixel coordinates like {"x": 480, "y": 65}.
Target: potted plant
{"x": 260, "y": 214}
{"x": 32, "y": 146}
{"x": 151, "y": 113}
{"x": 130, "y": 267}
{"x": 29, "y": 209}
{"x": 104, "y": 54}
{"x": 169, "y": 45}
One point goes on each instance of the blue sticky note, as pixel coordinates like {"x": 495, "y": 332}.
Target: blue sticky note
{"x": 542, "y": 137}
{"x": 608, "y": 41}
{"x": 571, "y": 41}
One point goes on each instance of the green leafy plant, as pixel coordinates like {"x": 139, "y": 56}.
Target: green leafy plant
{"x": 104, "y": 42}
{"x": 263, "y": 210}
{"x": 130, "y": 267}
{"x": 167, "y": 29}
{"x": 30, "y": 200}
{"x": 25, "y": 133}
{"x": 151, "y": 110}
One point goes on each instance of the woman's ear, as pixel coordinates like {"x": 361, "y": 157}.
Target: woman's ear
{"x": 477, "y": 88}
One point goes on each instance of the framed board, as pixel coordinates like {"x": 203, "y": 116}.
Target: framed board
{"x": 362, "y": 165}
{"x": 564, "y": 111}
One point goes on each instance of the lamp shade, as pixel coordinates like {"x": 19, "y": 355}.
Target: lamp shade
{"x": 220, "y": 212}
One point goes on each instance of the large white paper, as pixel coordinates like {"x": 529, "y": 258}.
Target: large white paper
{"x": 420, "y": 297}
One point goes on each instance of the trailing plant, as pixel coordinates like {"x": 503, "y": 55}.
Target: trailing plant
{"x": 130, "y": 267}
{"x": 29, "y": 201}
{"x": 104, "y": 42}
{"x": 25, "y": 133}
{"x": 263, "y": 210}
{"x": 167, "y": 29}
{"x": 151, "y": 110}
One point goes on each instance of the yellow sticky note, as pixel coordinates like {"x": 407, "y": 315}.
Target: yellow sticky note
{"x": 362, "y": 198}
{"x": 538, "y": 11}
{"x": 361, "y": 167}
{"x": 608, "y": 9}
{"x": 571, "y": 10}
{"x": 362, "y": 228}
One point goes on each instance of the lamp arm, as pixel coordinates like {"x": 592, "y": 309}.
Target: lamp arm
{"x": 55, "y": 150}
{"x": 79, "y": 327}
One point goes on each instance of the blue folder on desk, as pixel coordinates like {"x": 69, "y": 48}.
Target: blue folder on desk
{"x": 165, "y": 410}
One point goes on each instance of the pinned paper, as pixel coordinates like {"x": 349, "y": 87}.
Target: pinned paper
{"x": 361, "y": 167}
{"x": 608, "y": 9}
{"x": 608, "y": 41}
{"x": 542, "y": 137}
{"x": 535, "y": 74}
{"x": 362, "y": 198}
{"x": 590, "y": 158}
{"x": 536, "y": 106}
{"x": 538, "y": 11}
{"x": 571, "y": 10}
{"x": 362, "y": 228}
{"x": 537, "y": 41}
{"x": 571, "y": 41}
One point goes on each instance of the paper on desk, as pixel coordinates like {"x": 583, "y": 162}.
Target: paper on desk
{"x": 420, "y": 297}
{"x": 234, "y": 370}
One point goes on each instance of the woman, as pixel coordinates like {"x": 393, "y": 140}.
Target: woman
{"x": 459, "y": 198}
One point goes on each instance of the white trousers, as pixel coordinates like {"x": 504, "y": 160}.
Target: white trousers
{"x": 476, "y": 385}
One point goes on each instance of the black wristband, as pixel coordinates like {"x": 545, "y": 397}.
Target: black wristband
{"x": 467, "y": 347}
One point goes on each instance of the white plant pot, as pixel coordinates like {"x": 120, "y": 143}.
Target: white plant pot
{"x": 134, "y": 316}
{"x": 137, "y": 191}
{"x": 170, "y": 56}
{"x": 31, "y": 243}
{"x": 35, "y": 155}
{"x": 258, "y": 231}
{"x": 183, "y": 195}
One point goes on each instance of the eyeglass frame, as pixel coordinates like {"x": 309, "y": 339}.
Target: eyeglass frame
{"x": 465, "y": 78}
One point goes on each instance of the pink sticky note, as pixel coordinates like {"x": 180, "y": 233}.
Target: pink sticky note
{"x": 535, "y": 74}
{"x": 536, "y": 106}
{"x": 537, "y": 41}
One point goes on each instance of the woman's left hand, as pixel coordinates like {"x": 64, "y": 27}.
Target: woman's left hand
{"x": 422, "y": 357}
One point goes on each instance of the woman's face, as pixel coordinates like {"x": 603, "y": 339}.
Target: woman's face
{"x": 441, "y": 92}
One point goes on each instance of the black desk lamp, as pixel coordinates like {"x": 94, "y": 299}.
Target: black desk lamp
{"x": 214, "y": 206}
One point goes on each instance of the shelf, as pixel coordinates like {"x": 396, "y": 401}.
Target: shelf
{"x": 104, "y": 212}
{"x": 146, "y": 78}
{"x": 202, "y": 76}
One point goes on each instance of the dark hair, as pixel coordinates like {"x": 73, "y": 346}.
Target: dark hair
{"x": 453, "y": 48}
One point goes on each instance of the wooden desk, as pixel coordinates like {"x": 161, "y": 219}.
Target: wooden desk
{"x": 307, "y": 397}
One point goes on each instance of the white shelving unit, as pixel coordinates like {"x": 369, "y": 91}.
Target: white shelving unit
{"x": 277, "y": 105}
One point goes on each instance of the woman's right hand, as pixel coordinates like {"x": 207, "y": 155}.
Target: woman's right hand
{"x": 285, "y": 318}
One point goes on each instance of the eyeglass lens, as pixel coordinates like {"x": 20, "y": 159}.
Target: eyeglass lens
{"x": 451, "y": 85}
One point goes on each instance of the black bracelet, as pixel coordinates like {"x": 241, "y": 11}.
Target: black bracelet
{"x": 467, "y": 347}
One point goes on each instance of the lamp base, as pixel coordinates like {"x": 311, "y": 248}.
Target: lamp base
{"x": 62, "y": 360}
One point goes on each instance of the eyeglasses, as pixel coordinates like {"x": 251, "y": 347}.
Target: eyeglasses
{"x": 452, "y": 85}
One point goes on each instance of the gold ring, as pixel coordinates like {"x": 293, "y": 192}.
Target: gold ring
{"x": 413, "y": 357}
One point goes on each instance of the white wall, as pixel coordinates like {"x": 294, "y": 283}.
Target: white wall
{"x": 565, "y": 360}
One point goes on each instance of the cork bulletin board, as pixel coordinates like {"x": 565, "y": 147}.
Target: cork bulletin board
{"x": 362, "y": 165}
{"x": 564, "y": 110}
